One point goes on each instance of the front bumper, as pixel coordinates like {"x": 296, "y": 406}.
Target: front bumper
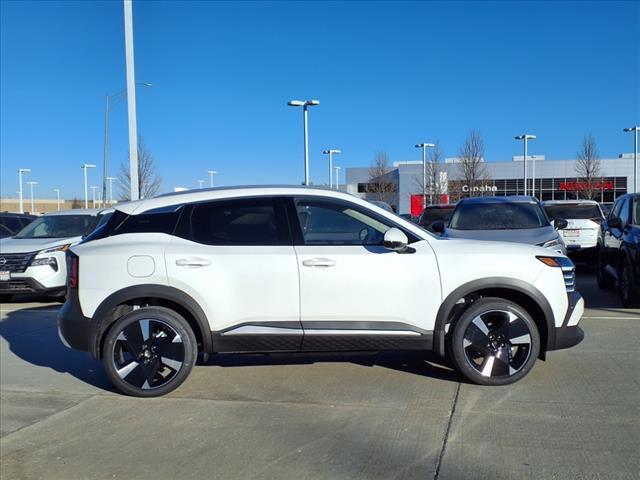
{"x": 569, "y": 334}
{"x": 17, "y": 285}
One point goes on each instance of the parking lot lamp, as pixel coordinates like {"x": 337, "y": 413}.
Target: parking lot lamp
{"x": 636, "y": 180}
{"x": 331, "y": 153}
{"x": 424, "y": 170}
{"x": 111, "y": 179}
{"x": 85, "y": 166}
{"x": 526, "y": 137}
{"x": 200, "y": 183}
{"x": 211, "y": 174}
{"x": 20, "y": 196}
{"x": 57, "y": 190}
{"x": 31, "y": 184}
{"x": 337, "y": 177}
{"x": 93, "y": 194}
{"x": 305, "y": 120}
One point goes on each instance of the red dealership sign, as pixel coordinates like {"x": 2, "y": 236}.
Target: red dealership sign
{"x": 579, "y": 186}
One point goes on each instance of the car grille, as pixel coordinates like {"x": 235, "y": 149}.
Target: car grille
{"x": 15, "y": 262}
{"x": 16, "y": 286}
{"x": 569, "y": 274}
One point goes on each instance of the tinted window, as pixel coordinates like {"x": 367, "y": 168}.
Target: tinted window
{"x": 328, "y": 223}
{"x": 59, "y": 226}
{"x": 574, "y": 211}
{"x": 498, "y": 216}
{"x": 13, "y": 224}
{"x": 615, "y": 211}
{"x": 238, "y": 222}
{"x": 431, "y": 215}
{"x": 624, "y": 212}
{"x": 149, "y": 222}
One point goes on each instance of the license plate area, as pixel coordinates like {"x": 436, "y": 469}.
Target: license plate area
{"x": 571, "y": 233}
{"x": 5, "y": 275}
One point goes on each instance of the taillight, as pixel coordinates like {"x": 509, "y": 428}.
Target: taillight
{"x": 597, "y": 220}
{"x": 73, "y": 264}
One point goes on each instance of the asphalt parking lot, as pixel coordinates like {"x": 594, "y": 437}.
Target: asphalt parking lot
{"x": 324, "y": 417}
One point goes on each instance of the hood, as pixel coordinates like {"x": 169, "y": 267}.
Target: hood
{"x": 531, "y": 236}
{"x": 26, "y": 245}
{"x": 455, "y": 246}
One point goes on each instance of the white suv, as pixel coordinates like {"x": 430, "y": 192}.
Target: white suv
{"x": 294, "y": 269}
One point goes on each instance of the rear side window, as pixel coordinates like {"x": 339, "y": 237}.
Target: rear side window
{"x": 237, "y": 222}
{"x": 149, "y": 222}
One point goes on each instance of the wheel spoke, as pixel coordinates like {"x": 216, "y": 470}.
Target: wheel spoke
{"x": 152, "y": 369}
{"x": 173, "y": 364}
{"x": 517, "y": 328}
{"x": 487, "y": 365}
{"x": 133, "y": 338}
{"x": 174, "y": 351}
{"x": 501, "y": 364}
{"x": 137, "y": 376}
{"x": 126, "y": 370}
{"x": 480, "y": 325}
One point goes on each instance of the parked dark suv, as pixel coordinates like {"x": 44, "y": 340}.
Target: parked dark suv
{"x": 619, "y": 249}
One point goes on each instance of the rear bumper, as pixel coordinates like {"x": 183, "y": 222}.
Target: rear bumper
{"x": 73, "y": 327}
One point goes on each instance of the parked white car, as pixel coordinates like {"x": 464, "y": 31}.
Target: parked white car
{"x": 33, "y": 260}
{"x": 583, "y": 218}
{"x": 290, "y": 269}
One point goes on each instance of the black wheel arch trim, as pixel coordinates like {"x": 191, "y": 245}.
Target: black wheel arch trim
{"x": 103, "y": 318}
{"x": 506, "y": 283}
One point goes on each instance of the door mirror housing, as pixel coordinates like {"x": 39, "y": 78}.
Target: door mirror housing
{"x": 560, "y": 223}
{"x": 438, "y": 227}
{"x": 395, "y": 239}
{"x": 615, "y": 222}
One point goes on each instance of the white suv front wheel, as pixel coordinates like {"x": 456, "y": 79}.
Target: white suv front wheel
{"x": 149, "y": 352}
{"x": 495, "y": 342}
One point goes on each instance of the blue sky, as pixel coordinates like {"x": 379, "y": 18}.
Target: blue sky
{"x": 387, "y": 74}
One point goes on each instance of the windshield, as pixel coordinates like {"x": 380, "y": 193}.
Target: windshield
{"x": 498, "y": 216}
{"x": 59, "y": 226}
{"x": 431, "y": 215}
{"x": 573, "y": 211}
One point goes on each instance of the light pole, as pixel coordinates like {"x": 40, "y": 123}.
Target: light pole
{"x": 424, "y": 170}
{"x": 107, "y": 110}
{"x": 526, "y": 137}
{"x": 31, "y": 184}
{"x": 337, "y": 169}
{"x": 93, "y": 194}
{"x": 636, "y": 180}
{"x": 305, "y": 115}
{"x": 86, "y": 191}
{"x": 57, "y": 190}
{"x": 20, "y": 172}
{"x": 200, "y": 182}
{"x": 110, "y": 180}
{"x": 331, "y": 153}
{"x": 211, "y": 174}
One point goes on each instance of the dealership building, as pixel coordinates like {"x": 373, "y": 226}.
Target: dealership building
{"x": 554, "y": 180}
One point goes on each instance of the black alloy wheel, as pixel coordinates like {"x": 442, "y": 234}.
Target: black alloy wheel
{"x": 149, "y": 352}
{"x": 628, "y": 292}
{"x": 495, "y": 342}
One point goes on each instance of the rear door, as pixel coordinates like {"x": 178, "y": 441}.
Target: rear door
{"x": 236, "y": 258}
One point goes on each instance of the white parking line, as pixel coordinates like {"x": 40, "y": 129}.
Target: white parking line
{"x": 631, "y": 315}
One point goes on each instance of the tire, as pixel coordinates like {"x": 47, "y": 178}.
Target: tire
{"x": 5, "y": 298}
{"x": 149, "y": 352}
{"x": 604, "y": 280}
{"x": 495, "y": 342}
{"x": 629, "y": 295}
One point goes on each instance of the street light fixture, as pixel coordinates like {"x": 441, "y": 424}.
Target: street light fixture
{"x": 110, "y": 180}
{"x": 211, "y": 174}
{"x": 337, "y": 169}
{"x": 526, "y": 137}
{"x": 305, "y": 119}
{"x": 85, "y": 166}
{"x": 93, "y": 193}
{"x": 200, "y": 183}
{"x": 331, "y": 153}
{"x": 20, "y": 172}
{"x": 424, "y": 170}
{"x": 31, "y": 184}
{"x": 636, "y": 180}
{"x": 57, "y": 190}
{"x": 107, "y": 110}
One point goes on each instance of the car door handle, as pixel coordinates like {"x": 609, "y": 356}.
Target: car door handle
{"x": 319, "y": 262}
{"x": 192, "y": 262}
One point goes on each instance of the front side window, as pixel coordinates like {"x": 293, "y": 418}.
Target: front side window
{"x": 333, "y": 223}
{"x": 238, "y": 222}
{"x": 59, "y": 226}
{"x": 498, "y": 216}
{"x": 624, "y": 212}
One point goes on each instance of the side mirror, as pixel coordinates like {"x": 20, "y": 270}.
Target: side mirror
{"x": 395, "y": 239}
{"x": 438, "y": 227}
{"x": 560, "y": 223}
{"x": 615, "y": 222}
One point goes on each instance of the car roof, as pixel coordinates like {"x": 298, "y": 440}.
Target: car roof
{"x": 440, "y": 205}
{"x": 505, "y": 199}
{"x": 15, "y": 214}
{"x": 77, "y": 211}
{"x": 216, "y": 193}
{"x": 569, "y": 202}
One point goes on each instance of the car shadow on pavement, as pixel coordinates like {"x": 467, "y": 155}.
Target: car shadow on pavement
{"x": 32, "y": 335}
{"x": 425, "y": 364}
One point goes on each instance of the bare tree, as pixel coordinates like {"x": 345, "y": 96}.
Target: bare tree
{"x": 149, "y": 181}
{"x": 588, "y": 168}
{"x": 471, "y": 169}
{"x": 381, "y": 186}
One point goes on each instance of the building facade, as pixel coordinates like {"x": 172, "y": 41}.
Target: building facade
{"x": 554, "y": 180}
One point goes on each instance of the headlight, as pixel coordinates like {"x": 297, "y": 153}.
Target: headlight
{"x": 51, "y": 261}
{"x": 551, "y": 243}
{"x": 61, "y": 248}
